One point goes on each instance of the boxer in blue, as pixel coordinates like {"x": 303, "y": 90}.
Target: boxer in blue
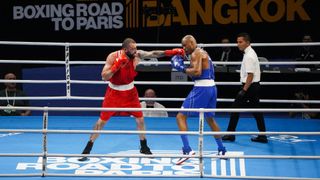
{"x": 203, "y": 94}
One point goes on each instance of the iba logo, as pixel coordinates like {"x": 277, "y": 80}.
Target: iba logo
{"x": 139, "y": 166}
{"x": 290, "y": 139}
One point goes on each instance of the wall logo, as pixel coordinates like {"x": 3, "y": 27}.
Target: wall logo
{"x": 80, "y": 16}
{"x": 139, "y": 166}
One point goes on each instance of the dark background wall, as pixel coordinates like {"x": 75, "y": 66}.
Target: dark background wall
{"x": 161, "y": 21}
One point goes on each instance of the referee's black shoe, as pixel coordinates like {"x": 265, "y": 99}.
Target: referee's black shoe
{"x": 260, "y": 138}
{"x": 230, "y": 138}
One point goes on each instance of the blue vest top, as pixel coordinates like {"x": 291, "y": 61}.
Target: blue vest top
{"x": 206, "y": 73}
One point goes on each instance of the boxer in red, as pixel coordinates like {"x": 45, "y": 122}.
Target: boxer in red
{"x": 119, "y": 70}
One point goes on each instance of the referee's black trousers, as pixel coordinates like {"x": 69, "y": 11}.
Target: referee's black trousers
{"x": 251, "y": 100}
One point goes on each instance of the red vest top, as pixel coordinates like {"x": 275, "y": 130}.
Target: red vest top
{"x": 124, "y": 75}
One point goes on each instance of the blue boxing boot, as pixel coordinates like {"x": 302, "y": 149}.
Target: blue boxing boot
{"x": 221, "y": 149}
{"x": 186, "y": 150}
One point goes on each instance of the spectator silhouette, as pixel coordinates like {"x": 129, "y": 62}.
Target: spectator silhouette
{"x": 11, "y": 90}
{"x": 307, "y": 53}
{"x": 150, "y": 93}
{"x": 228, "y": 53}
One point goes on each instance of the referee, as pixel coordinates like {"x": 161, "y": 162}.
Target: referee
{"x": 249, "y": 93}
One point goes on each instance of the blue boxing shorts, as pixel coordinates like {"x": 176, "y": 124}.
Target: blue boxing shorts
{"x": 201, "y": 97}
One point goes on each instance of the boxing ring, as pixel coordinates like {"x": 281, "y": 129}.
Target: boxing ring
{"x": 49, "y": 146}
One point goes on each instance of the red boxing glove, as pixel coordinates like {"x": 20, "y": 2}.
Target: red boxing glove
{"x": 118, "y": 63}
{"x": 176, "y": 51}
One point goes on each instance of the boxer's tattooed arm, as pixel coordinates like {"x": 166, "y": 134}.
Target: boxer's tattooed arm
{"x": 150, "y": 54}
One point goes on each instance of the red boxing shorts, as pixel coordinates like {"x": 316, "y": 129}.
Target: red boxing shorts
{"x": 123, "y": 99}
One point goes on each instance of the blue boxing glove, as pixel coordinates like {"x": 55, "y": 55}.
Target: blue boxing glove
{"x": 177, "y": 63}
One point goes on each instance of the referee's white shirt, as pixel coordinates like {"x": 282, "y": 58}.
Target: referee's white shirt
{"x": 250, "y": 64}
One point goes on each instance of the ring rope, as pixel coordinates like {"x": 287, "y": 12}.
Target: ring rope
{"x": 132, "y": 175}
{"x": 158, "y": 155}
{"x": 34, "y": 108}
{"x": 33, "y": 81}
{"x": 155, "y": 63}
{"x": 93, "y": 98}
{"x": 263, "y": 177}
{"x": 21, "y": 175}
{"x": 154, "y": 132}
{"x": 32, "y": 62}
{"x": 152, "y": 82}
{"x": 35, "y": 98}
{"x": 154, "y": 44}
{"x": 192, "y": 83}
{"x": 214, "y": 62}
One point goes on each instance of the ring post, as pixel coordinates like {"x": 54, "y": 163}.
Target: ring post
{"x": 67, "y": 58}
{"x": 44, "y": 143}
{"x": 200, "y": 147}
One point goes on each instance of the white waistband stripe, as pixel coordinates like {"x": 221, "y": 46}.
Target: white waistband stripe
{"x": 121, "y": 87}
{"x": 204, "y": 83}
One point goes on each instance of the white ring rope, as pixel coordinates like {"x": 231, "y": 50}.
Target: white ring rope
{"x": 34, "y": 108}
{"x": 154, "y": 63}
{"x": 153, "y": 44}
{"x": 69, "y": 96}
{"x": 35, "y": 98}
{"x": 153, "y": 132}
{"x": 156, "y": 155}
{"x": 214, "y": 62}
{"x": 160, "y": 176}
{"x": 33, "y": 81}
{"x": 33, "y": 62}
{"x": 93, "y": 98}
{"x": 152, "y": 82}
{"x": 192, "y": 83}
